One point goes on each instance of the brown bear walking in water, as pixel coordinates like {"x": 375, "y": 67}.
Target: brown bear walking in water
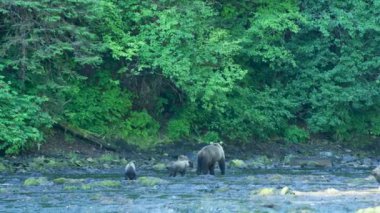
{"x": 180, "y": 166}
{"x": 208, "y": 156}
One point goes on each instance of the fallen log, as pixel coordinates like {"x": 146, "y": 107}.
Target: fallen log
{"x": 86, "y": 135}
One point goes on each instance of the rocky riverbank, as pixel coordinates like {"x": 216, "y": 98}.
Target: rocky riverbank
{"x": 317, "y": 156}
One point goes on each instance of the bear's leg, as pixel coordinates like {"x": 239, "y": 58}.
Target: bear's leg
{"x": 222, "y": 166}
{"x": 204, "y": 167}
{"x": 212, "y": 169}
{"x": 199, "y": 166}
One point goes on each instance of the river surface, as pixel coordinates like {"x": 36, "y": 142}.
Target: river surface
{"x": 315, "y": 191}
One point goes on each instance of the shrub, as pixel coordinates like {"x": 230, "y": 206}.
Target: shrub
{"x": 99, "y": 108}
{"x": 211, "y": 136}
{"x": 295, "y": 134}
{"x": 178, "y": 128}
{"x": 21, "y": 119}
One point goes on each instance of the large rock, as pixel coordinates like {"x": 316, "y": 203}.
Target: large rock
{"x": 159, "y": 167}
{"x": 311, "y": 162}
{"x": 236, "y": 163}
{"x": 272, "y": 191}
{"x": 32, "y": 181}
{"x": 260, "y": 161}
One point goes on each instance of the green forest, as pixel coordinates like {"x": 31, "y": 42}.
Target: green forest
{"x": 150, "y": 72}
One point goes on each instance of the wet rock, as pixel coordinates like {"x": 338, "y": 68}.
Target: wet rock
{"x": 253, "y": 179}
{"x": 311, "y": 162}
{"x": 151, "y": 181}
{"x": 286, "y": 191}
{"x": 123, "y": 162}
{"x": 236, "y": 163}
{"x": 86, "y": 187}
{"x": 265, "y": 191}
{"x": 223, "y": 189}
{"x": 275, "y": 178}
{"x": 273, "y": 191}
{"x": 369, "y": 210}
{"x": 260, "y": 161}
{"x": 32, "y": 181}
{"x": 109, "y": 158}
{"x": 78, "y": 163}
{"x": 159, "y": 167}
{"x": 348, "y": 158}
{"x": 326, "y": 154}
{"x": 288, "y": 158}
{"x": 366, "y": 162}
{"x": 303, "y": 209}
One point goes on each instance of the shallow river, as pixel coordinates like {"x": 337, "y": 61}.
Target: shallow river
{"x": 314, "y": 191}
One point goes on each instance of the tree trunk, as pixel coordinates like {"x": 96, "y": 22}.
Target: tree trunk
{"x": 87, "y": 136}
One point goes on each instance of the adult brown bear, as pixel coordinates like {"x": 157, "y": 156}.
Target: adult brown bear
{"x": 208, "y": 156}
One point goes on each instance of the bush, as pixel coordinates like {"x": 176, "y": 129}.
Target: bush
{"x": 21, "y": 120}
{"x": 100, "y": 108}
{"x": 211, "y": 136}
{"x": 178, "y": 128}
{"x": 141, "y": 124}
{"x": 295, "y": 134}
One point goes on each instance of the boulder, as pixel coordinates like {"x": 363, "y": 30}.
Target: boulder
{"x": 312, "y": 162}
{"x": 236, "y": 163}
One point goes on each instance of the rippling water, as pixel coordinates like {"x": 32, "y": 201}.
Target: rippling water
{"x": 233, "y": 192}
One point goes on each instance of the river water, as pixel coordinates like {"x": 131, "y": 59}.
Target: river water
{"x": 343, "y": 190}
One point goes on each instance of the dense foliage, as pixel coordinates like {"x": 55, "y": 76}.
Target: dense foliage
{"x": 21, "y": 119}
{"x": 151, "y": 71}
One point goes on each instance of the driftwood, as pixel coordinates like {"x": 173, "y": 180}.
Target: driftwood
{"x": 86, "y": 135}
